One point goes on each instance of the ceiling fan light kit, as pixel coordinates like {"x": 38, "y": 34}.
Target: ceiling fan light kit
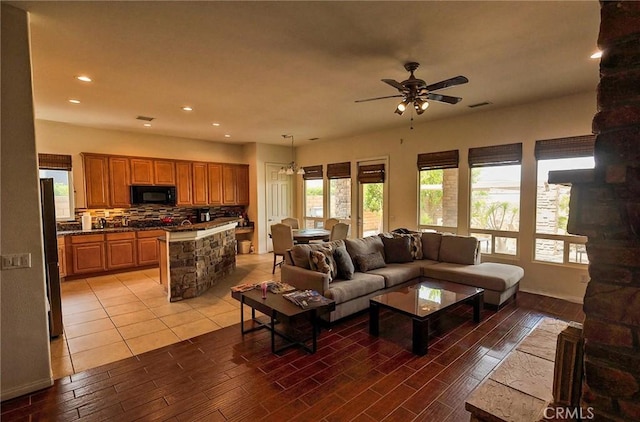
{"x": 416, "y": 91}
{"x": 292, "y": 168}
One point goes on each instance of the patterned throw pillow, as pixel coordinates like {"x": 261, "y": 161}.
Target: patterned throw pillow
{"x": 415, "y": 243}
{"x": 370, "y": 261}
{"x": 322, "y": 261}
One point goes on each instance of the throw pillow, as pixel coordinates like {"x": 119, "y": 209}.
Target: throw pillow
{"x": 397, "y": 249}
{"x": 370, "y": 261}
{"x": 344, "y": 263}
{"x": 322, "y": 261}
{"x": 415, "y": 245}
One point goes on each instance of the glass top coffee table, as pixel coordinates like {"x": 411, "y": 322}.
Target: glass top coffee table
{"x": 423, "y": 302}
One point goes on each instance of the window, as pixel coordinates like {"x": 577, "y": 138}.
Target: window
{"x": 339, "y": 176}
{"x": 371, "y": 208}
{"x": 552, "y": 242}
{"x": 495, "y": 197}
{"x": 313, "y": 197}
{"x": 58, "y": 167}
{"x": 438, "y": 190}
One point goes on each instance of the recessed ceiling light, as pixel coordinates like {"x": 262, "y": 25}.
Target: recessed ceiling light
{"x": 84, "y": 78}
{"x": 147, "y": 125}
{"x": 74, "y": 101}
{"x": 187, "y": 108}
{"x": 227, "y": 135}
{"x": 215, "y": 124}
{"x": 596, "y": 55}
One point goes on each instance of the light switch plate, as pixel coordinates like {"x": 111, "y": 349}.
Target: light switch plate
{"x": 15, "y": 261}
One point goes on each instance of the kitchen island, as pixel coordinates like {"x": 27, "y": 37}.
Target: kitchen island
{"x": 194, "y": 257}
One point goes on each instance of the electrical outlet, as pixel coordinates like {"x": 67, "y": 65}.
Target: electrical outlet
{"x": 15, "y": 261}
{"x": 584, "y": 279}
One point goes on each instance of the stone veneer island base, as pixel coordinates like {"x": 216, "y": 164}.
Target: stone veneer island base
{"x": 194, "y": 257}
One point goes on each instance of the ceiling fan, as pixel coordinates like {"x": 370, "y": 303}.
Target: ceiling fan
{"x": 416, "y": 92}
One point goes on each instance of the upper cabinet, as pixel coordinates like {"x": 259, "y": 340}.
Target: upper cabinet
{"x": 183, "y": 183}
{"x": 141, "y": 171}
{"x": 108, "y": 180}
{"x": 164, "y": 172}
{"x": 96, "y": 179}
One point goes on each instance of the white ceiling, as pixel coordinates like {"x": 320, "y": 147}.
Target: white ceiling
{"x": 263, "y": 69}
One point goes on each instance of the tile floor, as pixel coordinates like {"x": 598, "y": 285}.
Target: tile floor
{"x": 112, "y": 317}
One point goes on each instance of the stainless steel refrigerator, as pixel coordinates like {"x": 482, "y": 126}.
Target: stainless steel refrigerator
{"x": 47, "y": 202}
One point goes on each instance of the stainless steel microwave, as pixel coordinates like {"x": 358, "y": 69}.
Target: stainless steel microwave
{"x": 162, "y": 195}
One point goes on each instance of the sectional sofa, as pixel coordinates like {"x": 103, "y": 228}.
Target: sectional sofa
{"x": 354, "y": 270}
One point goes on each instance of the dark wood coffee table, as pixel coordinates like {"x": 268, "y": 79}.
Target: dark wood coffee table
{"x": 423, "y": 302}
{"x": 279, "y": 309}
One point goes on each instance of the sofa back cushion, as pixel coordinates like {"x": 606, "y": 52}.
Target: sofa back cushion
{"x": 431, "y": 245}
{"x": 363, "y": 246}
{"x": 397, "y": 249}
{"x": 459, "y": 250}
{"x": 299, "y": 254}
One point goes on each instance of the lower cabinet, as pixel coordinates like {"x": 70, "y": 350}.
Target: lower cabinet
{"x": 88, "y": 255}
{"x": 121, "y": 250}
{"x": 148, "y": 249}
{"x": 62, "y": 257}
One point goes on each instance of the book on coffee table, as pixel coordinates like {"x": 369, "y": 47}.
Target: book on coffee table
{"x": 307, "y": 298}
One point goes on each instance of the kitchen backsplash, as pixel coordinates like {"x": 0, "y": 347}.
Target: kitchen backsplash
{"x": 145, "y": 215}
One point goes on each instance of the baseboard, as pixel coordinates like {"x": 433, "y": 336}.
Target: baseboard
{"x": 574, "y": 299}
{"x": 26, "y": 389}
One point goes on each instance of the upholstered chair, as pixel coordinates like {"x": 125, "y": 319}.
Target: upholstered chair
{"x": 339, "y": 231}
{"x": 282, "y": 238}
{"x": 328, "y": 225}
{"x": 292, "y": 222}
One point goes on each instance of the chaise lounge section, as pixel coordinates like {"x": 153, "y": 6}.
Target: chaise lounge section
{"x": 354, "y": 270}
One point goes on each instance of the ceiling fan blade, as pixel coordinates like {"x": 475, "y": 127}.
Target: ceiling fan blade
{"x": 378, "y": 98}
{"x": 447, "y": 83}
{"x": 397, "y": 85}
{"x": 443, "y": 98}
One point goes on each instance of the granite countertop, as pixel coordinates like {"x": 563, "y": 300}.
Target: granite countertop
{"x": 171, "y": 228}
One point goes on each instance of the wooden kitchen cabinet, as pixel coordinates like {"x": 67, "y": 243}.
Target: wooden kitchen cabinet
{"x": 184, "y": 183}
{"x": 200, "y": 194}
{"x": 119, "y": 182}
{"x": 164, "y": 172}
{"x": 121, "y": 250}
{"x": 96, "y": 176}
{"x": 62, "y": 257}
{"x": 242, "y": 184}
{"x": 215, "y": 183}
{"x": 88, "y": 253}
{"x": 235, "y": 186}
{"x": 147, "y": 246}
{"x": 141, "y": 171}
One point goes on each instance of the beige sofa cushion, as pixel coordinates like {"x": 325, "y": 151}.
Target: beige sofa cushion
{"x": 488, "y": 275}
{"x": 458, "y": 249}
{"x": 363, "y": 246}
{"x": 299, "y": 254}
{"x": 431, "y": 245}
{"x": 395, "y": 274}
{"x": 361, "y": 285}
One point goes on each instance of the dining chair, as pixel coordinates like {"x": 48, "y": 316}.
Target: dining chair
{"x": 292, "y": 222}
{"x": 282, "y": 238}
{"x": 328, "y": 225}
{"x": 339, "y": 231}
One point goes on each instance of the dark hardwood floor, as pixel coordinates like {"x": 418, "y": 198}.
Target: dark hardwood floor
{"x": 222, "y": 376}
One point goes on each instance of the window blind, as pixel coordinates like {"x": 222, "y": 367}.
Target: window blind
{"x": 438, "y": 160}
{"x": 54, "y": 162}
{"x": 339, "y": 170}
{"x": 373, "y": 173}
{"x": 571, "y": 147}
{"x": 496, "y": 155}
{"x": 312, "y": 172}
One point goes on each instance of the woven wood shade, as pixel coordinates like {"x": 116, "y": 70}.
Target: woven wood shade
{"x": 438, "y": 160}
{"x": 496, "y": 155}
{"x": 571, "y": 147}
{"x": 54, "y": 162}
{"x": 312, "y": 172}
{"x": 339, "y": 170}
{"x": 373, "y": 173}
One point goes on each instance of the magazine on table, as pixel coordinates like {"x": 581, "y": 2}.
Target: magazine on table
{"x": 273, "y": 286}
{"x": 307, "y": 298}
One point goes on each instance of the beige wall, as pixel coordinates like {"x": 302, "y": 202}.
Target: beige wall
{"x": 559, "y": 117}
{"x": 24, "y": 342}
{"x": 62, "y": 138}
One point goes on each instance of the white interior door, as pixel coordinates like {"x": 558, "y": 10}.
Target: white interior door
{"x": 279, "y": 198}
